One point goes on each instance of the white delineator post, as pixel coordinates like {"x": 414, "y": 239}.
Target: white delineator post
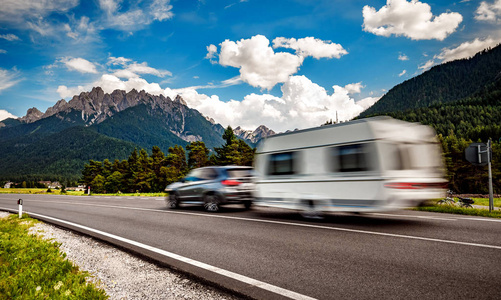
{"x": 20, "y": 203}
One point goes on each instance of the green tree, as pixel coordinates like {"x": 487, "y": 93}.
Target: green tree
{"x": 198, "y": 154}
{"x": 91, "y": 170}
{"x": 234, "y": 151}
{"x": 98, "y": 184}
{"x": 114, "y": 182}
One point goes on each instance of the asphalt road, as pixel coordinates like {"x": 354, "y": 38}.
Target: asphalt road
{"x": 269, "y": 253}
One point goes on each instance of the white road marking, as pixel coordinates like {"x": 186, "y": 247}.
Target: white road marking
{"x": 293, "y": 224}
{"x": 414, "y": 217}
{"x": 236, "y": 276}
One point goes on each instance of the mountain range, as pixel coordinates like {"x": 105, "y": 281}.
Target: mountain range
{"x": 97, "y": 125}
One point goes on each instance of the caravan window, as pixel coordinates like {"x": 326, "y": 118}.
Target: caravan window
{"x": 282, "y": 164}
{"x": 350, "y": 158}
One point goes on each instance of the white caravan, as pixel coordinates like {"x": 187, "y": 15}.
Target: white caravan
{"x": 374, "y": 164}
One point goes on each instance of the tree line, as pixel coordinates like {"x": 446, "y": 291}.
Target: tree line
{"x": 144, "y": 172}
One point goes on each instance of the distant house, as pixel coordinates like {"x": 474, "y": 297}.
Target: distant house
{"x": 45, "y": 183}
{"x": 78, "y": 188}
{"x": 55, "y": 185}
{"x": 8, "y": 185}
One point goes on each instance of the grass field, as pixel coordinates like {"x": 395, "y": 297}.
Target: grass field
{"x": 34, "y": 268}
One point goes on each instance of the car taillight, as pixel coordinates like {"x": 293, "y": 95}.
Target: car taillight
{"x": 416, "y": 185}
{"x": 230, "y": 182}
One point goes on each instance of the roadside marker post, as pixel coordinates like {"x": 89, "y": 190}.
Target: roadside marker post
{"x": 20, "y": 203}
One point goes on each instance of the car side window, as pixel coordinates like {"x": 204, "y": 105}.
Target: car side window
{"x": 209, "y": 174}
{"x": 195, "y": 175}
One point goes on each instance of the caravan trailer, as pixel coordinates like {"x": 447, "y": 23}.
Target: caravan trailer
{"x": 367, "y": 165}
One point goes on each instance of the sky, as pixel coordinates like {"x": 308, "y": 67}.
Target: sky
{"x": 285, "y": 64}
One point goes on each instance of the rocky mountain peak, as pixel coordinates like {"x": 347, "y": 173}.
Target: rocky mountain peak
{"x": 180, "y": 100}
{"x": 253, "y": 136}
{"x": 32, "y": 115}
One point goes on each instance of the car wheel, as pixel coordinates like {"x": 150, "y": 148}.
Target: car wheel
{"x": 173, "y": 201}
{"x": 211, "y": 202}
{"x": 247, "y": 204}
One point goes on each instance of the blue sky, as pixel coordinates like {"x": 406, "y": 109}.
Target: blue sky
{"x": 284, "y": 64}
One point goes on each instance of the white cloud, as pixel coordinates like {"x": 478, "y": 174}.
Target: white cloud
{"x": 403, "y": 57}
{"x": 118, "y": 61}
{"x": 65, "y": 92}
{"x": 17, "y": 11}
{"x": 467, "y": 49}
{"x": 132, "y": 69}
{"x": 8, "y": 78}
{"x": 79, "y": 64}
{"x": 490, "y": 12}
{"x": 2, "y": 51}
{"x": 82, "y": 30}
{"x": 354, "y": 88}
{"x": 161, "y": 10}
{"x": 109, "y": 83}
{"x": 128, "y": 15}
{"x": 211, "y": 53}
{"x": 427, "y": 65}
{"x": 412, "y": 19}
{"x": 402, "y": 73}
{"x": 303, "y": 104}
{"x": 9, "y": 37}
{"x": 260, "y": 66}
{"x": 5, "y": 115}
{"x": 310, "y": 46}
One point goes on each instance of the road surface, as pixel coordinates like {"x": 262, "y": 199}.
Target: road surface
{"x": 272, "y": 254}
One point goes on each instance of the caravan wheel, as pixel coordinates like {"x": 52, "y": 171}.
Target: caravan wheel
{"x": 309, "y": 211}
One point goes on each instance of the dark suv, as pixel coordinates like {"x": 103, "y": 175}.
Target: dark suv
{"x": 212, "y": 187}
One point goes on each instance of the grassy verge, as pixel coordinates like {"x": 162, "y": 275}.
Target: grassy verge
{"x": 485, "y": 201}
{"x": 33, "y": 268}
{"x": 74, "y": 193}
{"x": 462, "y": 211}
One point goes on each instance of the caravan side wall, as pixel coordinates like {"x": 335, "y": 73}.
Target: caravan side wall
{"x": 374, "y": 165}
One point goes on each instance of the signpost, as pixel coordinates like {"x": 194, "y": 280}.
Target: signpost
{"x": 480, "y": 154}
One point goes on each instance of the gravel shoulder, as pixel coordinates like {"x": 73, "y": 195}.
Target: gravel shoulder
{"x": 122, "y": 275}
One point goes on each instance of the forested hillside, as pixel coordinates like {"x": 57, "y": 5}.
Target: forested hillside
{"x": 59, "y": 156}
{"x": 442, "y": 84}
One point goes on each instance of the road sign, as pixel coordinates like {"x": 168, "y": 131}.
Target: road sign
{"x": 480, "y": 154}
{"x": 477, "y": 154}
